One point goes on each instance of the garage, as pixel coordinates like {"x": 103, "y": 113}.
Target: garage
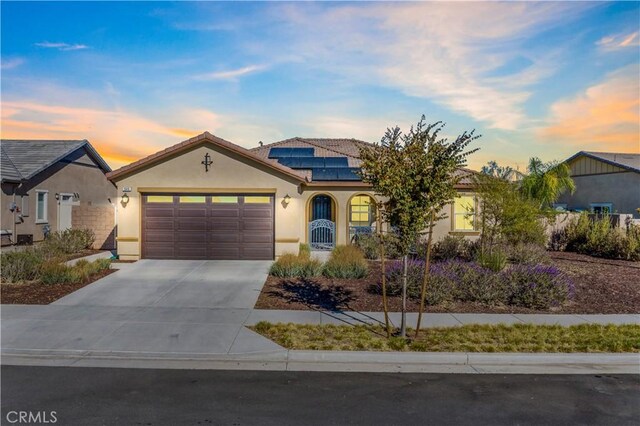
{"x": 208, "y": 226}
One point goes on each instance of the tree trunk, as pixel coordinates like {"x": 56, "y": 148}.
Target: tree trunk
{"x": 403, "y": 324}
{"x": 385, "y": 306}
{"x": 425, "y": 277}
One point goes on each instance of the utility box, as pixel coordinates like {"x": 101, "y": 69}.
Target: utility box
{"x": 25, "y": 239}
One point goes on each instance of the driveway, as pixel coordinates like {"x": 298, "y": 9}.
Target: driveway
{"x": 230, "y": 284}
{"x": 148, "y": 307}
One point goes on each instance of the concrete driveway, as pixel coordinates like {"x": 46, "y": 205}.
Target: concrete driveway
{"x": 226, "y": 284}
{"x": 148, "y": 307}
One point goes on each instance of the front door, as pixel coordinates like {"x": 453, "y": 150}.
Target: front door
{"x": 65, "y": 204}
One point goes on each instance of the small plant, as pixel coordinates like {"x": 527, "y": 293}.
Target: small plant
{"x": 598, "y": 237}
{"x": 495, "y": 260}
{"x": 20, "y": 266}
{"x": 304, "y": 251}
{"x": 290, "y": 265}
{"x": 69, "y": 241}
{"x": 452, "y": 247}
{"x": 58, "y": 273}
{"x": 538, "y": 286}
{"x": 394, "y": 272}
{"x": 527, "y": 254}
{"x": 346, "y": 262}
{"x": 369, "y": 244}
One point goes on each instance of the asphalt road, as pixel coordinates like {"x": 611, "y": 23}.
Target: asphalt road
{"x": 94, "y": 396}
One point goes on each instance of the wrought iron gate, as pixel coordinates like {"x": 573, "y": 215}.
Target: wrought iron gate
{"x": 322, "y": 234}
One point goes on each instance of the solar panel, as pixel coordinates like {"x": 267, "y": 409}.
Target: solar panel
{"x": 336, "y": 162}
{"x": 324, "y": 174}
{"x": 348, "y": 173}
{"x": 279, "y": 152}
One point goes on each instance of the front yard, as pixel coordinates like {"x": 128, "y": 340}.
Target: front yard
{"x": 602, "y": 286}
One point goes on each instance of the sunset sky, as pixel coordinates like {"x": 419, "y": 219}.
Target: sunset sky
{"x": 535, "y": 79}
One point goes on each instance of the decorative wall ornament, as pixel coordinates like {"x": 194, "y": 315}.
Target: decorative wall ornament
{"x": 206, "y": 162}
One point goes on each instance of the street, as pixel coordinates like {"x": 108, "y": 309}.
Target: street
{"x": 88, "y": 396}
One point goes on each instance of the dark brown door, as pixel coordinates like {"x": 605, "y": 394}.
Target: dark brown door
{"x": 187, "y": 226}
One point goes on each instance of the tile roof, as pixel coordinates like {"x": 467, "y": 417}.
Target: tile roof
{"x": 8, "y": 170}
{"x": 629, "y": 161}
{"x": 30, "y": 157}
{"x": 324, "y": 147}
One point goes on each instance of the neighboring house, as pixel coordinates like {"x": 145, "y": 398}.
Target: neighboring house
{"x": 606, "y": 182}
{"x": 52, "y": 185}
{"x": 207, "y": 198}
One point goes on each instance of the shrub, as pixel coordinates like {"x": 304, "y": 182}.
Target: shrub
{"x": 18, "y": 266}
{"x": 290, "y": 265}
{"x": 451, "y": 247}
{"x": 69, "y": 241}
{"x": 58, "y": 273}
{"x": 304, "y": 251}
{"x": 369, "y": 244}
{"x": 599, "y": 238}
{"x": 537, "y": 286}
{"x": 475, "y": 283}
{"x": 393, "y": 273}
{"x": 527, "y": 254}
{"x": 346, "y": 262}
{"x": 495, "y": 259}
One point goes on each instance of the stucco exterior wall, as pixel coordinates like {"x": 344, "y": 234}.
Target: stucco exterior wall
{"x": 621, "y": 189}
{"x": 77, "y": 173}
{"x": 231, "y": 173}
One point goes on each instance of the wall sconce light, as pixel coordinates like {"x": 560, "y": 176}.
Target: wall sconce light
{"x": 125, "y": 200}
{"x": 57, "y": 196}
{"x": 287, "y": 199}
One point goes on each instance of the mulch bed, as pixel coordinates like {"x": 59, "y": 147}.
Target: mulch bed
{"x": 603, "y": 286}
{"x": 42, "y": 294}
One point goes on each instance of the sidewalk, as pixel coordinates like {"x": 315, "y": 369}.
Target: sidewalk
{"x": 433, "y": 320}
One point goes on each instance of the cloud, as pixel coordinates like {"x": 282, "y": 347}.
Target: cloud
{"x": 120, "y": 136}
{"x": 62, "y": 46}
{"x": 231, "y": 75}
{"x": 7, "y": 64}
{"x": 605, "y": 117}
{"x": 619, "y": 41}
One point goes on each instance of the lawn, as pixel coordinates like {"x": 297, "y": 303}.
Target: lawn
{"x": 524, "y": 338}
{"x": 602, "y": 286}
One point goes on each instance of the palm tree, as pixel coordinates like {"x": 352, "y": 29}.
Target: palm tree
{"x": 545, "y": 182}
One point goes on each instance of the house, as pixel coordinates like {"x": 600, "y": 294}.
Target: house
{"x": 605, "y": 182}
{"x": 53, "y": 185}
{"x": 207, "y": 198}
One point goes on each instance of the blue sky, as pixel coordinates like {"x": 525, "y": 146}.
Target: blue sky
{"x": 535, "y": 79}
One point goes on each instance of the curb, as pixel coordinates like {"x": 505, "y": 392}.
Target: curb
{"x": 335, "y": 361}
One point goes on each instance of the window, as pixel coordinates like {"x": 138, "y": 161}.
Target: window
{"x": 159, "y": 198}
{"x": 257, "y": 200}
{"x": 464, "y": 213}
{"x": 360, "y": 211}
{"x": 224, "y": 199}
{"x": 199, "y": 199}
{"x": 42, "y": 199}
{"x": 601, "y": 208}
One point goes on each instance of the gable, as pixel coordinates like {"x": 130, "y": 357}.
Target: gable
{"x": 185, "y": 170}
{"x": 584, "y": 165}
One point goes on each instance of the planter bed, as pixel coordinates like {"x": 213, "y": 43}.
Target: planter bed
{"x": 36, "y": 293}
{"x": 602, "y": 286}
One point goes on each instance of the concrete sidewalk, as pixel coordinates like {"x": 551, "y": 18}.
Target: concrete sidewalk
{"x": 431, "y": 319}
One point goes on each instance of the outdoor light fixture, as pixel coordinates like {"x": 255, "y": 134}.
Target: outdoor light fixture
{"x": 287, "y": 199}
{"x": 57, "y": 196}
{"x": 125, "y": 200}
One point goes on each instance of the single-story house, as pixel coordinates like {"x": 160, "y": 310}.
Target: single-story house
{"x": 54, "y": 185}
{"x": 606, "y": 182}
{"x": 207, "y": 198}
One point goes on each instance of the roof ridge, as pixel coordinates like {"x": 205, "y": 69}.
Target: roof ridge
{"x": 329, "y": 149}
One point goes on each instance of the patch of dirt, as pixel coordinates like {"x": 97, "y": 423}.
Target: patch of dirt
{"x": 602, "y": 286}
{"x": 36, "y": 293}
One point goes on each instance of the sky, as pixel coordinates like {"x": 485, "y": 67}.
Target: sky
{"x": 541, "y": 79}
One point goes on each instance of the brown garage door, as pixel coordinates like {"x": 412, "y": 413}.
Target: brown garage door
{"x": 188, "y": 226}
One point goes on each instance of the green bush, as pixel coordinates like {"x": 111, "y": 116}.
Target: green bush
{"x": 537, "y": 286}
{"x": 19, "y": 266}
{"x": 304, "y": 251}
{"x": 58, "y": 273}
{"x": 450, "y": 247}
{"x": 290, "y": 265}
{"x": 495, "y": 260}
{"x": 346, "y": 262}
{"x": 371, "y": 247}
{"x": 69, "y": 241}
{"x": 597, "y": 237}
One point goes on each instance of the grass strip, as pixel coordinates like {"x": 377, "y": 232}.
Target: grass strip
{"x": 467, "y": 338}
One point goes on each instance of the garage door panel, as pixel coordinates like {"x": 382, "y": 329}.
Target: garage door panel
{"x": 159, "y": 212}
{"x": 208, "y": 230}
